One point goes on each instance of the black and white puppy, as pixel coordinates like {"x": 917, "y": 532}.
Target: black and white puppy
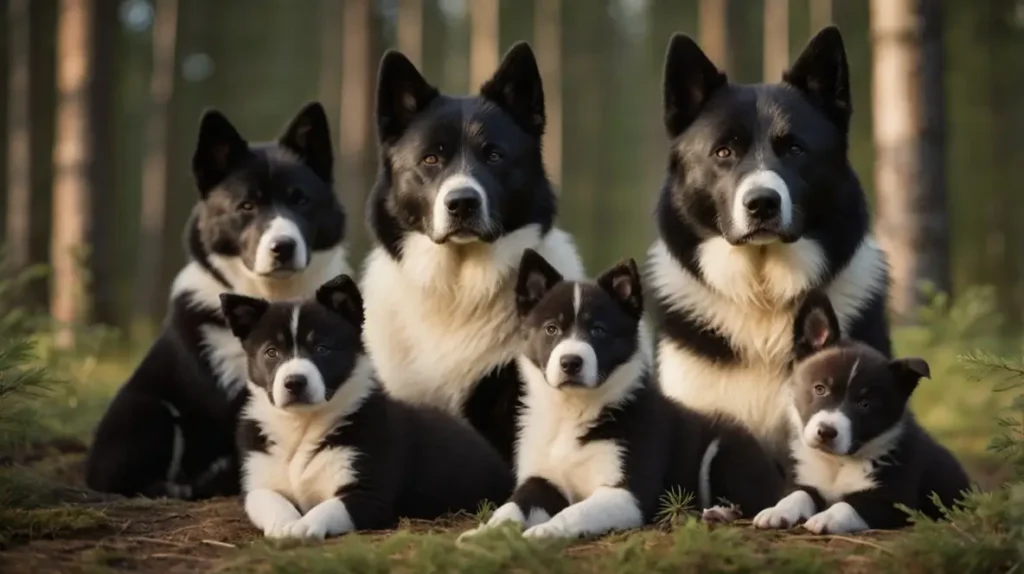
{"x": 598, "y": 443}
{"x": 324, "y": 450}
{"x": 267, "y": 224}
{"x": 460, "y": 193}
{"x": 759, "y": 206}
{"x": 857, "y": 448}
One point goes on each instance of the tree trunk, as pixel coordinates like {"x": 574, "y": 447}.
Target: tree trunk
{"x": 548, "y": 38}
{"x": 104, "y": 30}
{"x": 909, "y": 134}
{"x": 155, "y": 162}
{"x": 356, "y": 137}
{"x": 18, "y": 236}
{"x": 483, "y": 42}
{"x": 776, "y": 39}
{"x": 714, "y": 32}
{"x": 821, "y": 15}
{"x": 410, "y": 30}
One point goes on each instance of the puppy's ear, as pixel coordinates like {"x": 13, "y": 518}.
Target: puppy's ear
{"x": 219, "y": 149}
{"x": 402, "y": 92}
{"x": 690, "y": 79}
{"x": 342, "y": 296}
{"x": 517, "y": 88}
{"x": 823, "y": 75}
{"x": 622, "y": 281}
{"x": 309, "y": 136}
{"x": 908, "y": 372}
{"x": 242, "y": 313}
{"x": 536, "y": 278}
{"x": 816, "y": 326}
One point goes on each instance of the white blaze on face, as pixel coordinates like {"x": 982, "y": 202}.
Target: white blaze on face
{"x": 442, "y": 219}
{"x": 314, "y": 391}
{"x": 280, "y": 229}
{"x": 761, "y": 179}
{"x": 588, "y": 370}
{"x": 835, "y": 419}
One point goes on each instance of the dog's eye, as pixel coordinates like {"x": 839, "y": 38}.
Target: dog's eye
{"x": 597, "y": 331}
{"x": 322, "y": 349}
{"x": 270, "y": 353}
{"x": 246, "y": 206}
{"x": 296, "y": 197}
{"x": 723, "y": 152}
{"x": 864, "y": 405}
{"x": 820, "y": 390}
{"x": 551, "y": 329}
{"x": 431, "y": 159}
{"x": 494, "y": 156}
{"x": 795, "y": 149}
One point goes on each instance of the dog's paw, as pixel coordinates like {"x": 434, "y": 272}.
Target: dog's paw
{"x": 721, "y": 514}
{"x": 546, "y": 530}
{"x": 279, "y": 529}
{"x": 472, "y": 532}
{"x": 302, "y": 529}
{"x": 775, "y": 517}
{"x": 840, "y": 518}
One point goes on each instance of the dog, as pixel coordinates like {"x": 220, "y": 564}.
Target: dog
{"x": 759, "y": 206}
{"x": 598, "y": 442}
{"x": 267, "y": 224}
{"x": 461, "y": 192}
{"x": 324, "y": 450}
{"x": 858, "y": 450}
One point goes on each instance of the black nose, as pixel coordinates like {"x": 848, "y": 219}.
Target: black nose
{"x": 283, "y": 248}
{"x": 762, "y": 203}
{"x": 571, "y": 364}
{"x": 463, "y": 202}
{"x": 295, "y": 383}
{"x": 827, "y": 432}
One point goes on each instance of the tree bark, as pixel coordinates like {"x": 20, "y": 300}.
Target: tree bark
{"x": 18, "y": 231}
{"x": 410, "y": 30}
{"x": 155, "y": 162}
{"x": 356, "y": 137}
{"x": 714, "y": 32}
{"x": 909, "y": 134}
{"x": 776, "y": 39}
{"x": 483, "y": 43}
{"x": 548, "y": 38}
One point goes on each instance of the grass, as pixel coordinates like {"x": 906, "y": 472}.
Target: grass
{"x": 50, "y": 523}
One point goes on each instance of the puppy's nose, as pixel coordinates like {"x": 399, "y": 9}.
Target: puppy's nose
{"x": 827, "y": 432}
{"x": 283, "y": 248}
{"x": 295, "y": 383}
{"x": 571, "y": 364}
{"x": 462, "y": 203}
{"x": 762, "y": 203}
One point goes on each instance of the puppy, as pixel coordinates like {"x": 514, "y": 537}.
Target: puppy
{"x": 857, "y": 449}
{"x": 324, "y": 450}
{"x": 598, "y": 443}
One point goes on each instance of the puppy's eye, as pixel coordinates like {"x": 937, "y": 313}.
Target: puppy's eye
{"x": 795, "y": 149}
{"x": 551, "y": 329}
{"x": 297, "y": 197}
{"x": 270, "y": 353}
{"x": 820, "y": 390}
{"x": 246, "y": 206}
{"x": 494, "y": 155}
{"x": 597, "y": 331}
{"x": 322, "y": 349}
{"x": 723, "y": 152}
{"x": 864, "y": 405}
{"x": 431, "y": 159}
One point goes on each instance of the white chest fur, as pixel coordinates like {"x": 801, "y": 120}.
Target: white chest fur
{"x": 833, "y": 476}
{"x": 442, "y": 317}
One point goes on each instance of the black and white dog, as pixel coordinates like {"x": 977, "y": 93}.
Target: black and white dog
{"x": 461, "y": 192}
{"x": 324, "y": 450}
{"x": 857, "y": 448}
{"x": 598, "y": 443}
{"x": 267, "y": 224}
{"x": 760, "y": 205}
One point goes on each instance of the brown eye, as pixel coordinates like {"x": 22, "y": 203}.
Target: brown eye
{"x": 723, "y": 152}
{"x": 494, "y": 156}
{"x": 271, "y": 353}
{"x": 246, "y": 206}
{"x": 430, "y": 159}
{"x": 551, "y": 329}
{"x": 795, "y": 149}
{"x": 820, "y": 390}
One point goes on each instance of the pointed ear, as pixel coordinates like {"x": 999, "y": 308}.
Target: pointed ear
{"x": 242, "y": 313}
{"x": 690, "y": 79}
{"x": 536, "y": 278}
{"x": 908, "y": 372}
{"x": 622, "y": 281}
{"x": 402, "y": 92}
{"x": 816, "y": 326}
{"x": 517, "y": 88}
{"x": 309, "y": 137}
{"x": 219, "y": 148}
{"x": 342, "y": 296}
{"x": 822, "y": 74}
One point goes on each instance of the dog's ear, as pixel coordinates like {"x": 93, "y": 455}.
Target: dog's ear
{"x": 342, "y": 296}
{"x": 622, "y": 281}
{"x": 219, "y": 149}
{"x": 517, "y": 88}
{"x": 242, "y": 313}
{"x": 690, "y": 79}
{"x": 908, "y": 372}
{"x": 816, "y": 326}
{"x": 402, "y": 92}
{"x": 821, "y": 72}
{"x": 536, "y": 278}
{"x": 309, "y": 136}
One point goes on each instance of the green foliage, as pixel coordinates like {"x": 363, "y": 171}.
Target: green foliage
{"x": 1007, "y": 376}
{"x": 675, "y": 504}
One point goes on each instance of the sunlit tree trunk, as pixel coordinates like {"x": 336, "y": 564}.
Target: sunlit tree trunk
{"x": 909, "y": 139}
{"x": 548, "y": 40}
{"x": 776, "y": 39}
{"x": 19, "y": 136}
{"x": 410, "y": 30}
{"x": 820, "y": 14}
{"x": 356, "y": 139}
{"x": 714, "y": 32}
{"x": 155, "y": 162}
{"x": 483, "y": 42}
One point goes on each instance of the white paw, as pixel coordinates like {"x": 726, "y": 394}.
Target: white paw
{"x": 790, "y": 510}
{"x": 471, "y": 533}
{"x": 303, "y": 529}
{"x": 279, "y": 529}
{"x": 839, "y": 518}
{"x": 546, "y": 530}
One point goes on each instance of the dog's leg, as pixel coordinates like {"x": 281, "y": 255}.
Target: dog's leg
{"x": 270, "y": 512}
{"x": 605, "y": 510}
{"x": 329, "y": 518}
{"x": 534, "y": 502}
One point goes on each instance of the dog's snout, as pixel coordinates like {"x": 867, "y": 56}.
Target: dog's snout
{"x": 283, "y": 248}
{"x": 571, "y": 364}
{"x": 762, "y": 203}
{"x": 295, "y": 384}
{"x": 827, "y": 432}
{"x": 463, "y": 203}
